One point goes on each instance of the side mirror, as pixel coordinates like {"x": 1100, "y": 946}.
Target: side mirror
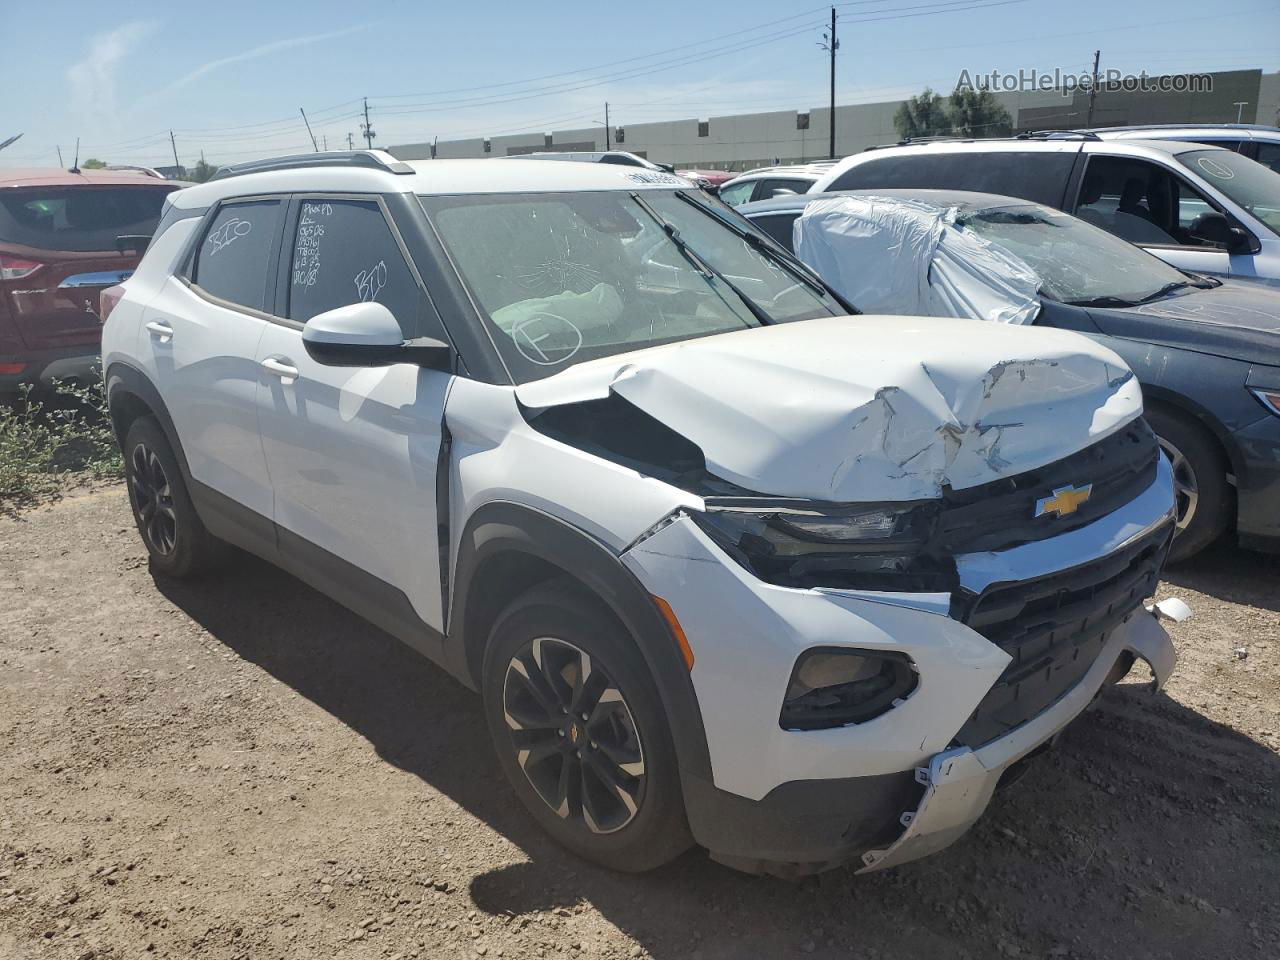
{"x": 367, "y": 335}
{"x": 1215, "y": 227}
{"x": 133, "y": 243}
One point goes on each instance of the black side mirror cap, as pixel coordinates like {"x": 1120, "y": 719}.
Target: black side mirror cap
{"x": 426, "y": 352}
{"x": 1218, "y": 228}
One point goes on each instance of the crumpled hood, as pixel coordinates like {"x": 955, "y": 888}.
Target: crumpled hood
{"x": 1239, "y": 320}
{"x": 868, "y": 408}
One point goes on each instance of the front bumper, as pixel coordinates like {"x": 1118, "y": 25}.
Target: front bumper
{"x": 746, "y": 636}
{"x": 1258, "y": 485}
{"x": 959, "y": 783}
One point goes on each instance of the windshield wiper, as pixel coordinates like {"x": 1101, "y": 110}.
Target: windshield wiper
{"x": 695, "y": 261}
{"x": 1167, "y": 288}
{"x": 1103, "y": 302}
{"x": 779, "y": 255}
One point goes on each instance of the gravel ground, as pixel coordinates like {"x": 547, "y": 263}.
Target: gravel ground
{"x": 242, "y": 769}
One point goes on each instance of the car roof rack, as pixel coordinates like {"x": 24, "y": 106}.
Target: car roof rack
{"x": 367, "y": 159}
{"x": 1057, "y": 135}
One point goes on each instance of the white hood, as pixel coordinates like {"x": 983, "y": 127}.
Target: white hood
{"x": 868, "y": 408}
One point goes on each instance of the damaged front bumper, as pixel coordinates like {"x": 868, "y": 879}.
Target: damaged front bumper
{"x": 799, "y": 801}
{"x": 959, "y": 783}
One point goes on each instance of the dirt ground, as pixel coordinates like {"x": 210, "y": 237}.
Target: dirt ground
{"x": 242, "y": 770}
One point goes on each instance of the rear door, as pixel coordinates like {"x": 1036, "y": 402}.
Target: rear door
{"x": 199, "y": 344}
{"x": 353, "y": 452}
{"x": 59, "y": 251}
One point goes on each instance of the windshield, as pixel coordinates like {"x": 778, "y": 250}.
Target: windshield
{"x": 1247, "y": 182}
{"x": 1077, "y": 262}
{"x": 565, "y": 277}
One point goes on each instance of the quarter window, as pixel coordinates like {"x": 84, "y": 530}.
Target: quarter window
{"x": 344, "y": 252}
{"x": 232, "y": 261}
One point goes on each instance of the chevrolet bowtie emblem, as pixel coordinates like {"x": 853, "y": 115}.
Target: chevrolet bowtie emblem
{"x": 1065, "y": 500}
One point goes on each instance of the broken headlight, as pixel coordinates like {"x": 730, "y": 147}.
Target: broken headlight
{"x": 835, "y": 686}
{"x": 858, "y": 546}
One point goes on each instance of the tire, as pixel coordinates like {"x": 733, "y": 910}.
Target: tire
{"x": 555, "y": 649}
{"x": 1204, "y": 497}
{"x": 170, "y": 528}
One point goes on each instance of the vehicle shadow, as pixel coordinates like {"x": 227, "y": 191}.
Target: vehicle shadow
{"x": 1225, "y": 571}
{"x": 1149, "y": 831}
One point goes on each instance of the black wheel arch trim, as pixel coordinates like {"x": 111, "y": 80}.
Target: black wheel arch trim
{"x": 122, "y": 378}
{"x": 503, "y": 528}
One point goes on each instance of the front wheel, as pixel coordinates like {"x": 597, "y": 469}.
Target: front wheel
{"x": 1201, "y": 492}
{"x": 580, "y": 730}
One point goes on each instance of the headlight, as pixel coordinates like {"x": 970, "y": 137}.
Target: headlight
{"x": 859, "y": 546}
{"x": 1270, "y": 399}
{"x": 836, "y": 686}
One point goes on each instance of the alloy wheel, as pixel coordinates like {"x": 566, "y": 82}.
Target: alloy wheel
{"x": 1186, "y": 489}
{"x": 574, "y": 735}
{"x": 153, "y": 499}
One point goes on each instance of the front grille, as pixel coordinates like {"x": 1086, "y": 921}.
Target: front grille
{"x": 1054, "y": 628}
{"x": 1001, "y": 514}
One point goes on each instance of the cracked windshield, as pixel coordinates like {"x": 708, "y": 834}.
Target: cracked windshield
{"x": 563, "y": 278}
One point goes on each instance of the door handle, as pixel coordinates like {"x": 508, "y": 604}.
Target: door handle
{"x": 280, "y": 368}
{"x": 161, "y": 330}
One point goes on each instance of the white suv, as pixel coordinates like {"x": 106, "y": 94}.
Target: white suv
{"x": 727, "y": 564}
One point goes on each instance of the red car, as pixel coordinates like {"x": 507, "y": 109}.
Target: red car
{"x": 64, "y": 238}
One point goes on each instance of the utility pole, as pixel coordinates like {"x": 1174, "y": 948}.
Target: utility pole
{"x": 368, "y": 130}
{"x": 607, "y": 144}
{"x": 314, "y": 146}
{"x": 1093, "y": 88}
{"x": 324, "y": 139}
{"x": 350, "y": 144}
{"x": 173, "y": 143}
{"x": 831, "y": 45}
{"x": 59, "y": 156}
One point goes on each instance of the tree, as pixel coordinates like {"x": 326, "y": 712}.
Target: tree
{"x": 201, "y": 171}
{"x": 922, "y": 116}
{"x": 977, "y": 113}
{"x": 93, "y": 163}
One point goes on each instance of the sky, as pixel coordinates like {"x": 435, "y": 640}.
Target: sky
{"x": 228, "y": 78}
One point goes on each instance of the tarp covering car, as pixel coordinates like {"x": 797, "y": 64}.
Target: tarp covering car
{"x": 907, "y": 257}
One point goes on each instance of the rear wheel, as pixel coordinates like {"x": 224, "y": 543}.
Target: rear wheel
{"x": 171, "y": 530}
{"x": 580, "y": 730}
{"x": 1201, "y": 492}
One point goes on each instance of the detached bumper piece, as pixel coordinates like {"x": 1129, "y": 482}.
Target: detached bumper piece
{"x": 958, "y": 783}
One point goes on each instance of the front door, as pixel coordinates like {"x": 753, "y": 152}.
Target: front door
{"x": 352, "y": 452}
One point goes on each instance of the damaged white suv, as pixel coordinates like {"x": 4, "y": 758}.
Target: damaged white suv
{"x": 728, "y": 564}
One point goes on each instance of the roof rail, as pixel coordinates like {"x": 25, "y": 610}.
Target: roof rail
{"x": 1057, "y": 135}
{"x": 369, "y": 159}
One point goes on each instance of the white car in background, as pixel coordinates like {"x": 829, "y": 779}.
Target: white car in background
{"x": 1199, "y": 208}
{"x": 1253, "y": 140}
{"x": 765, "y": 183}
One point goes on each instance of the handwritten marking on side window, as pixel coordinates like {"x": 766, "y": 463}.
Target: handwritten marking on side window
{"x": 228, "y": 233}
{"x": 370, "y": 282}
{"x": 306, "y": 251}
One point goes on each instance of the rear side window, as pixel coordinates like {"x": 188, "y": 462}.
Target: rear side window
{"x": 1040, "y": 176}
{"x": 779, "y": 226}
{"x": 78, "y": 218}
{"x": 344, "y": 252}
{"x": 234, "y": 255}
{"x": 782, "y": 188}
{"x": 737, "y": 193}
